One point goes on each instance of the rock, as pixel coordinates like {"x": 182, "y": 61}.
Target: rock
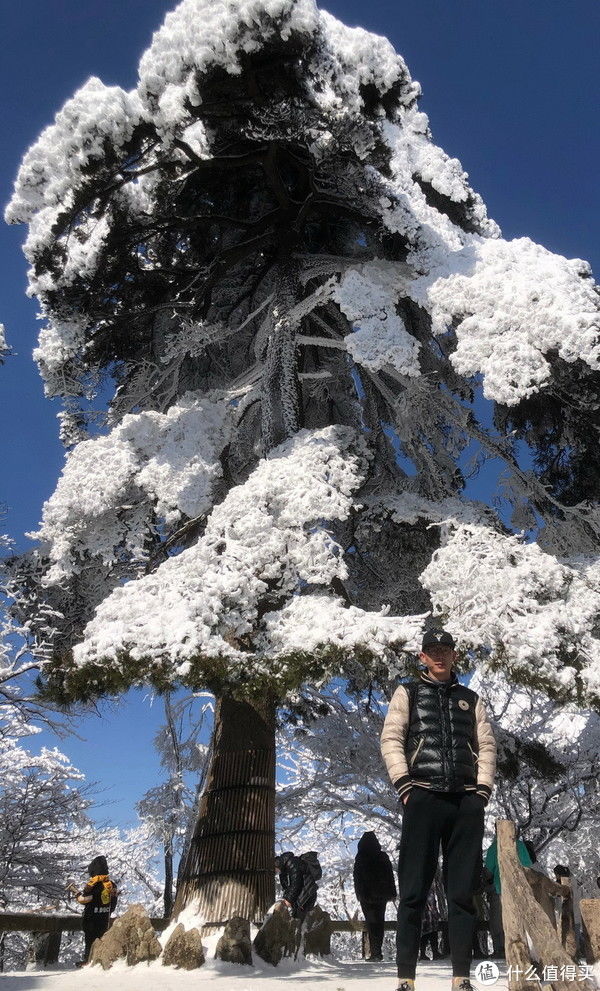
{"x": 277, "y": 936}
{"x": 234, "y": 945}
{"x": 317, "y": 932}
{"x": 131, "y": 936}
{"x": 183, "y": 949}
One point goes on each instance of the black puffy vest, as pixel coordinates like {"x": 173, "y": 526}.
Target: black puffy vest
{"x": 440, "y": 743}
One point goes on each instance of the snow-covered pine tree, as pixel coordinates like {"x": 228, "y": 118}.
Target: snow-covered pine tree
{"x": 296, "y": 309}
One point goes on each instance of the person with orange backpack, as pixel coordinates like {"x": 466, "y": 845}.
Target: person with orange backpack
{"x": 99, "y": 898}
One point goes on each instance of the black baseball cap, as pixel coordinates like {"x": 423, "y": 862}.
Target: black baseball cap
{"x": 437, "y": 638}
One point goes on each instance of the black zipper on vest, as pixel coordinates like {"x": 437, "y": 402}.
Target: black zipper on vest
{"x": 442, "y": 696}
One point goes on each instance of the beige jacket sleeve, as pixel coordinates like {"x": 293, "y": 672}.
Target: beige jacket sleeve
{"x": 393, "y": 741}
{"x": 485, "y": 750}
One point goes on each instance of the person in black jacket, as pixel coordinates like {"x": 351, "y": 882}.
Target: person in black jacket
{"x": 374, "y": 886}
{"x": 99, "y": 898}
{"x": 298, "y": 877}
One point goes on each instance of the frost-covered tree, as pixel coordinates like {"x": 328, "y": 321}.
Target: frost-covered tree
{"x": 43, "y": 801}
{"x": 548, "y": 771}
{"x": 168, "y": 808}
{"x": 333, "y": 786}
{"x": 309, "y": 334}
{"x": 47, "y": 837}
{"x": 332, "y": 777}
{"x": 19, "y": 699}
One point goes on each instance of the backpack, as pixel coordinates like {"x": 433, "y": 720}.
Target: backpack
{"x": 311, "y": 860}
{"x": 106, "y": 892}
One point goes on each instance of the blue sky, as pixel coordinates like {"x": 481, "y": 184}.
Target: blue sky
{"x": 511, "y": 88}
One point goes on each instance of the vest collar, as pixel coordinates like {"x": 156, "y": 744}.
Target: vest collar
{"x": 452, "y": 681}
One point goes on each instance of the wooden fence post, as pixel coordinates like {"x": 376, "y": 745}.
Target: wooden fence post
{"x": 590, "y": 917}
{"x": 542, "y": 888}
{"x": 568, "y": 936}
{"x": 522, "y": 914}
{"x": 515, "y": 942}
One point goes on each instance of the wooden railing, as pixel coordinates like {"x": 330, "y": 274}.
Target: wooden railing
{"x": 48, "y": 929}
{"x": 33, "y": 922}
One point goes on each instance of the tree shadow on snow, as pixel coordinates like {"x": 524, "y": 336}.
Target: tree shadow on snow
{"x": 27, "y": 981}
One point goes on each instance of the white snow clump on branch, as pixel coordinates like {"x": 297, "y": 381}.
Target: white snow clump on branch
{"x": 58, "y": 344}
{"x": 309, "y": 622}
{"x": 170, "y": 461}
{"x": 269, "y": 532}
{"x": 368, "y": 297}
{"x": 415, "y": 159}
{"x": 511, "y": 303}
{"x": 515, "y": 599}
{"x": 98, "y": 118}
{"x": 556, "y": 727}
{"x": 408, "y": 507}
{"x": 352, "y": 58}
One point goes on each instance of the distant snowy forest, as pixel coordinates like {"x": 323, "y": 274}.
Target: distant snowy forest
{"x": 308, "y": 338}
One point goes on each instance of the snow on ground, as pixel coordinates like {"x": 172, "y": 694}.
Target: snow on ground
{"x": 335, "y": 975}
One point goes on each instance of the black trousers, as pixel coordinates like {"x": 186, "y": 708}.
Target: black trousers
{"x": 454, "y": 821}
{"x": 374, "y": 913}
{"x": 93, "y": 929}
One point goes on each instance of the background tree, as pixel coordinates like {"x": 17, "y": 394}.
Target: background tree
{"x": 296, "y": 307}
{"x": 168, "y": 809}
{"x": 548, "y": 773}
{"x": 47, "y": 837}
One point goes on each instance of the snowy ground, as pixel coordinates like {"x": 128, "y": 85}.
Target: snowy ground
{"x": 335, "y": 975}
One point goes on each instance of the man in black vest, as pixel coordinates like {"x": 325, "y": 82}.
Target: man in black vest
{"x": 440, "y": 753}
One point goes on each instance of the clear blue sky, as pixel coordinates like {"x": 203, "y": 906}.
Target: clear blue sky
{"x": 511, "y": 88}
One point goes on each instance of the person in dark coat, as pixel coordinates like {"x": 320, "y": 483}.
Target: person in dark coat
{"x": 298, "y": 877}
{"x": 374, "y": 886}
{"x": 99, "y": 898}
{"x": 561, "y": 871}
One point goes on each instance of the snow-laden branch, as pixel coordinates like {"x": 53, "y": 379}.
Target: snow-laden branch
{"x": 536, "y": 615}
{"x": 271, "y": 533}
{"x": 511, "y": 305}
{"x": 312, "y": 623}
{"x": 150, "y": 466}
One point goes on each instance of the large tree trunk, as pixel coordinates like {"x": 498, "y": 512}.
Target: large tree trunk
{"x": 229, "y": 867}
